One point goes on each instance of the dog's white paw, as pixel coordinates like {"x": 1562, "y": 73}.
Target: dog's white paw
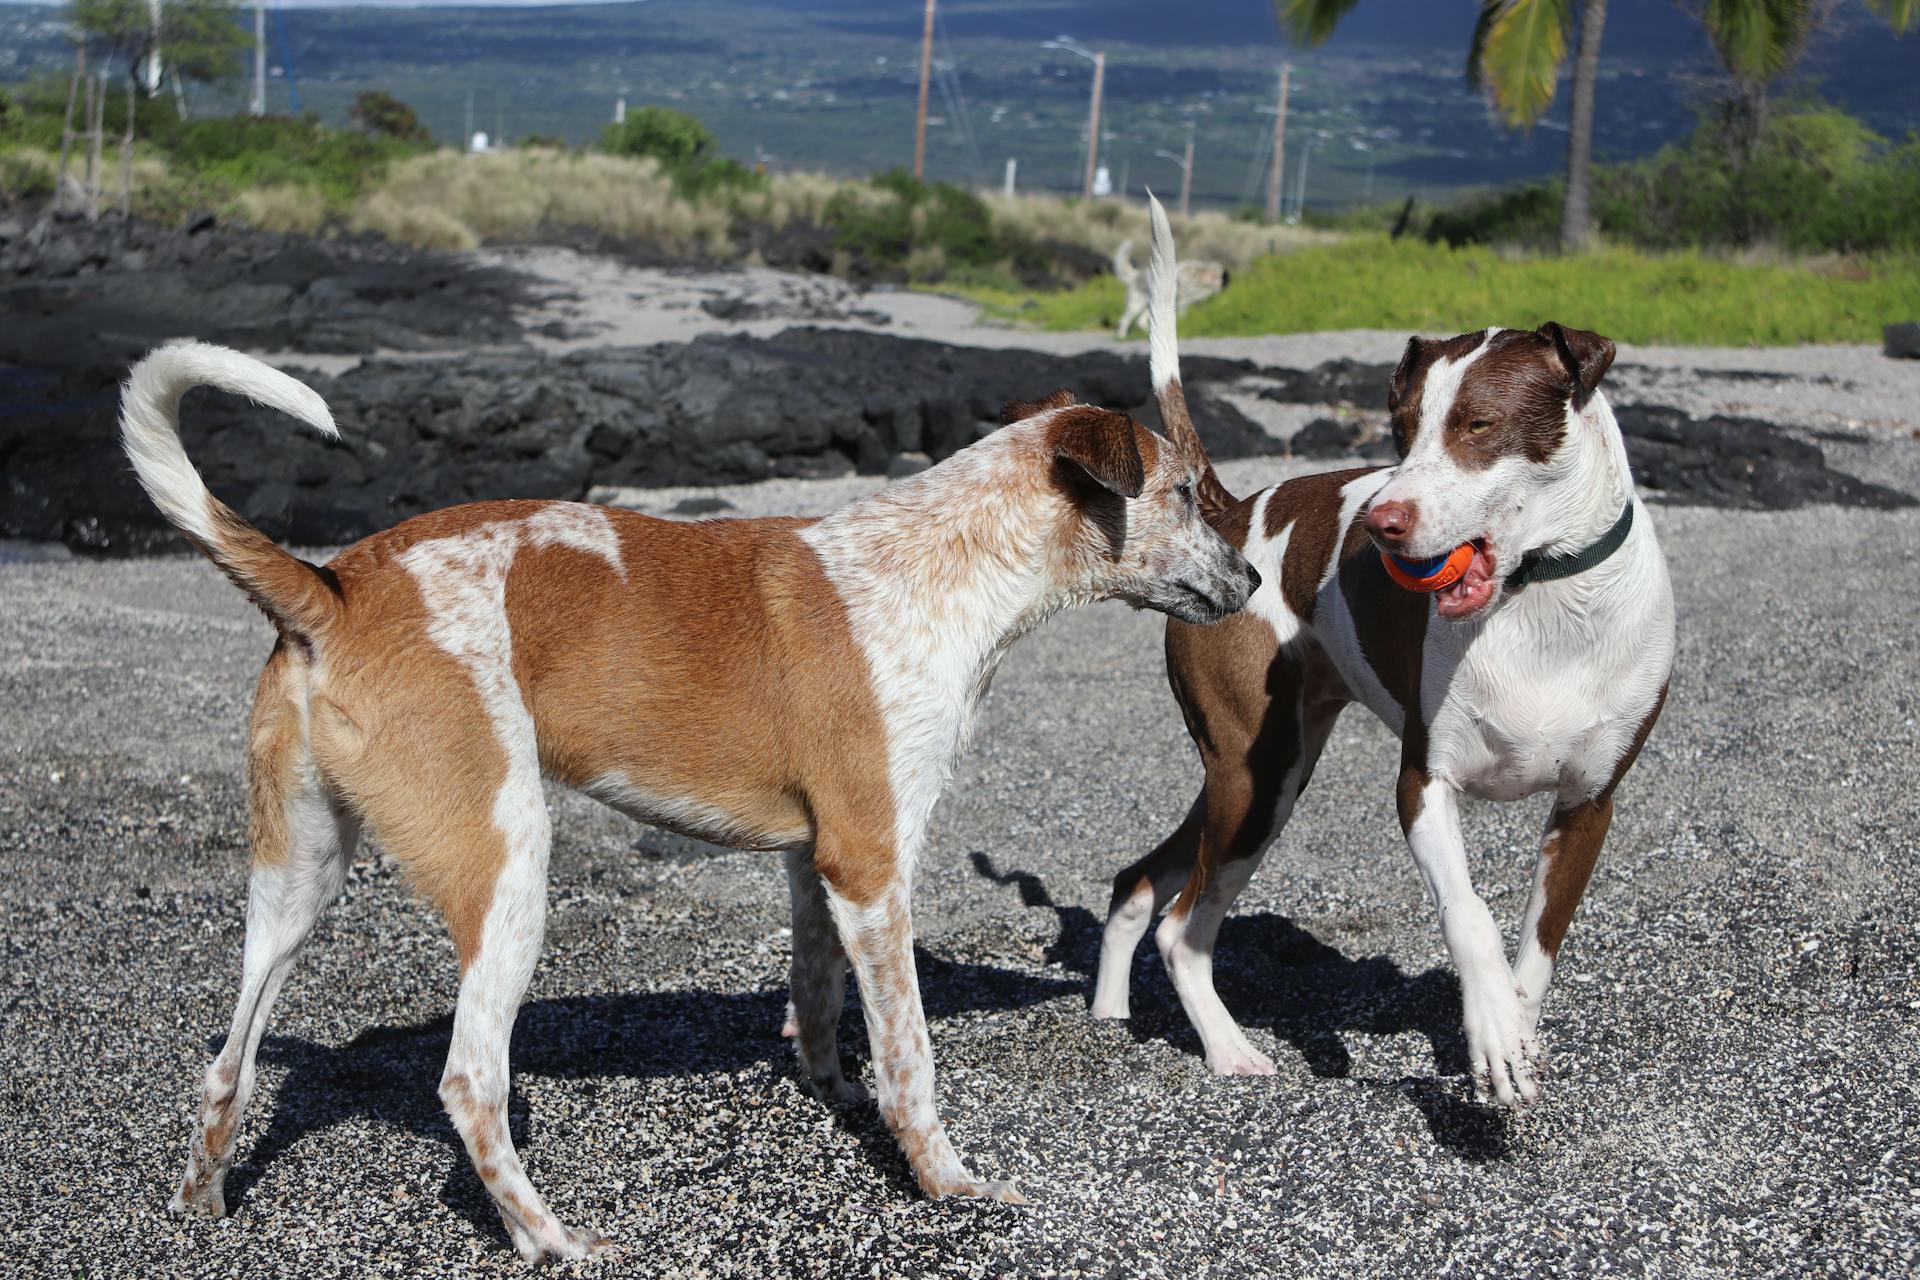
{"x": 1501, "y": 1048}
{"x": 1239, "y": 1059}
{"x": 556, "y": 1243}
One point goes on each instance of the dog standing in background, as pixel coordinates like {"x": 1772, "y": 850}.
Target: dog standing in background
{"x": 1498, "y": 599}
{"x": 1197, "y": 281}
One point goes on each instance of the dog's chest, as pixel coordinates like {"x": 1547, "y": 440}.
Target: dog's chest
{"x": 1522, "y": 709}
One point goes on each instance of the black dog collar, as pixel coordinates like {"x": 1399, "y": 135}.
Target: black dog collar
{"x": 1535, "y": 567}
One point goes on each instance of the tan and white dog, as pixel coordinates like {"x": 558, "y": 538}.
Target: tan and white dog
{"x": 779, "y": 684}
{"x": 1541, "y": 670}
{"x": 1197, "y": 281}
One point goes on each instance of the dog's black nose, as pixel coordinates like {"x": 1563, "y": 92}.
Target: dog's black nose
{"x": 1253, "y": 579}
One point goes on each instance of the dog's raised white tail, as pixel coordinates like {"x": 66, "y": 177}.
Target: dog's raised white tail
{"x": 290, "y": 591}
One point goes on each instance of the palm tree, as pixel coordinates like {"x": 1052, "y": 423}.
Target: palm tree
{"x": 1518, "y": 49}
{"x": 1761, "y": 40}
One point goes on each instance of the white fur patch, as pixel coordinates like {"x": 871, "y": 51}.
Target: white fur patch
{"x": 939, "y": 575}
{"x": 689, "y": 817}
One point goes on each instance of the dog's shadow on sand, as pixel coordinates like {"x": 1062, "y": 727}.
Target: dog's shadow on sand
{"x": 1277, "y": 975}
{"x": 388, "y": 1073}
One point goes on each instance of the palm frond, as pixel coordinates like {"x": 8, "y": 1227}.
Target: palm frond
{"x": 1310, "y": 22}
{"x": 1760, "y": 39}
{"x": 1899, "y": 14}
{"x": 1518, "y": 48}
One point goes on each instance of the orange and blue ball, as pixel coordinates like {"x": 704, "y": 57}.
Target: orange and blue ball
{"x": 1434, "y": 573}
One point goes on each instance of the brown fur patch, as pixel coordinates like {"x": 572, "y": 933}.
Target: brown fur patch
{"x": 713, "y": 672}
{"x": 1311, "y": 504}
{"x": 1104, "y": 443}
{"x": 1019, "y": 410}
{"x": 1512, "y": 403}
{"x": 1406, "y": 389}
{"x": 276, "y": 752}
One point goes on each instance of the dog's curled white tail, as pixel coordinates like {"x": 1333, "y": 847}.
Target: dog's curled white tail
{"x": 1163, "y": 360}
{"x": 294, "y": 594}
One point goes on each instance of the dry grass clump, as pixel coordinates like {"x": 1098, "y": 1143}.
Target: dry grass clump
{"x": 420, "y": 225}
{"x": 794, "y": 197}
{"x": 455, "y": 201}
{"x": 289, "y": 208}
{"x": 1101, "y": 225}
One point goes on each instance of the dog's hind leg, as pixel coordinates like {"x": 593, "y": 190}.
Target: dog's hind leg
{"x": 303, "y": 839}
{"x": 1249, "y": 798}
{"x": 499, "y": 923}
{"x": 818, "y": 983}
{"x": 449, "y": 781}
{"x": 1139, "y": 893}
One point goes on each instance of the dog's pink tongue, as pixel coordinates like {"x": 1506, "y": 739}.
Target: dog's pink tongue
{"x": 1474, "y": 589}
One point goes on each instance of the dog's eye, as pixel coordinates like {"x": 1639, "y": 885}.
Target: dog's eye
{"x": 1184, "y": 490}
{"x": 1478, "y": 427}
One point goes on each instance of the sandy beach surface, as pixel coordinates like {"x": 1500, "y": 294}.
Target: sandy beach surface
{"x": 1732, "y": 1041}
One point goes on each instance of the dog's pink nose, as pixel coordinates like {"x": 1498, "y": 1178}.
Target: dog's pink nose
{"x": 1390, "y": 522}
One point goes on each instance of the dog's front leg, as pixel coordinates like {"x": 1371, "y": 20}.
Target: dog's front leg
{"x": 1500, "y": 1044}
{"x": 868, "y": 895}
{"x": 1568, "y": 851}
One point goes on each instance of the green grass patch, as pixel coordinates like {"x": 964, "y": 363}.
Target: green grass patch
{"x": 1093, "y": 305}
{"x": 1370, "y": 282}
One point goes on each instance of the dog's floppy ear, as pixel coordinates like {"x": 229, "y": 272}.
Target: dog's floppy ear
{"x": 1020, "y": 410}
{"x": 1101, "y": 443}
{"x": 1403, "y": 373}
{"x": 1587, "y": 356}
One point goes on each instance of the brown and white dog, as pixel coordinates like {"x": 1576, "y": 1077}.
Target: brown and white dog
{"x": 1542, "y": 669}
{"x": 779, "y": 684}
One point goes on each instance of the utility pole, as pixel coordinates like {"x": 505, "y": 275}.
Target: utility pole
{"x": 1279, "y": 146}
{"x": 151, "y": 75}
{"x": 920, "y": 122}
{"x": 1186, "y": 175}
{"x": 1013, "y": 167}
{"x": 66, "y": 130}
{"x": 1300, "y": 193}
{"x": 259, "y": 104}
{"x": 1093, "y": 120}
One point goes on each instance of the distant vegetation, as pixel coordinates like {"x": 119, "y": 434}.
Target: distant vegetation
{"x": 183, "y": 166}
{"x": 1814, "y": 180}
{"x": 1370, "y": 282}
{"x": 1703, "y": 236}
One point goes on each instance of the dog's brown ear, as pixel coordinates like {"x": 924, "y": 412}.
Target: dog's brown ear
{"x": 1587, "y": 356}
{"x": 1403, "y": 373}
{"x": 1019, "y": 410}
{"x": 1101, "y": 442}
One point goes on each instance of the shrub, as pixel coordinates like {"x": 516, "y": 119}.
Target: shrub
{"x": 379, "y": 112}
{"x": 1815, "y": 180}
{"x": 1526, "y": 215}
{"x": 900, "y": 223}
{"x": 671, "y": 137}
{"x": 684, "y": 149}
{"x": 241, "y": 152}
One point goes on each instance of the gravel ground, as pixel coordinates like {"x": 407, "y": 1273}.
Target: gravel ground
{"x": 1733, "y": 1041}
